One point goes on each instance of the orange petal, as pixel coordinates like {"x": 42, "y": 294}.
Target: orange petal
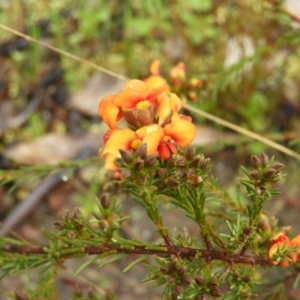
{"x": 128, "y": 99}
{"x": 155, "y": 81}
{"x": 154, "y": 93}
{"x": 154, "y": 68}
{"x": 119, "y": 139}
{"x": 181, "y": 131}
{"x": 109, "y": 112}
{"x": 293, "y": 257}
{"x": 296, "y": 241}
{"x": 138, "y": 86}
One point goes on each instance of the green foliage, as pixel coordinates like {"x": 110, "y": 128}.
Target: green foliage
{"x": 186, "y": 266}
{"x": 228, "y": 255}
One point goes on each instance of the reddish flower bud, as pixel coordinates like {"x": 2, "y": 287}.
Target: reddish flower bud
{"x": 104, "y": 200}
{"x": 189, "y": 153}
{"x": 164, "y": 270}
{"x": 216, "y": 293}
{"x": 126, "y": 155}
{"x": 139, "y": 165}
{"x": 141, "y": 151}
{"x": 186, "y": 281}
{"x": 181, "y": 162}
{"x": 277, "y": 166}
{"x": 269, "y": 173}
{"x": 58, "y": 225}
{"x": 264, "y": 159}
{"x": 150, "y": 160}
{"x": 199, "y": 280}
{"x": 256, "y": 162}
{"x": 181, "y": 271}
{"x": 255, "y": 174}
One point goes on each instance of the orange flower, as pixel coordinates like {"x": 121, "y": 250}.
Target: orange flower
{"x": 179, "y": 132}
{"x": 130, "y": 140}
{"x": 136, "y": 91}
{"x": 282, "y": 242}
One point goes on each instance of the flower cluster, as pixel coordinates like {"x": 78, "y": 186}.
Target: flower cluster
{"x": 282, "y": 247}
{"x": 151, "y": 116}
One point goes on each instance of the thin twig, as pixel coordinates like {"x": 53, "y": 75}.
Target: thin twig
{"x": 243, "y": 131}
{"x": 150, "y": 250}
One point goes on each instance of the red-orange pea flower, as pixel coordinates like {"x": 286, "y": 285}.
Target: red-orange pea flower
{"x": 136, "y": 91}
{"x": 180, "y": 132}
{"x": 282, "y": 242}
{"x": 130, "y": 140}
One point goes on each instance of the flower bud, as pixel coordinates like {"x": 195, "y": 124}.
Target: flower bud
{"x": 179, "y": 289}
{"x": 204, "y": 163}
{"x": 189, "y": 153}
{"x": 186, "y": 281}
{"x": 150, "y": 160}
{"x": 173, "y": 183}
{"x": 174, "y": 265}
{"x": 171, "y": 280}
{"x": 264, "y": 159}
{"x": 269, "y": 173}
{"x": 216, "y": 293}
{"x": 141, "y": 151}
{"x": 199, "y": 280}
{"x": 67, "y": 216}
{"x": 77, "y": 214}
{"x": 139, "y": 165}
{"x": 171, "y": 162}
{"x": 181, "y": 162}
{"x": 125, "y": 173}
{"x": 181, "y": 271}
{"x": 126, "y": 155}
{"x": 278, "y": 166}
{"x": 162, "y": 172}
{"x": 164, "y": 270}
{"x": 190, "y": 173}
{"x": 256, "y": 162}
{"x": 104, "y": 200}
{"x": 255, "y": 174}
{"x": 263, "y": 223}
{"x": 58, "y": 225}
{"x": 212, "y": 284}
{"x": 197, "y": 161}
